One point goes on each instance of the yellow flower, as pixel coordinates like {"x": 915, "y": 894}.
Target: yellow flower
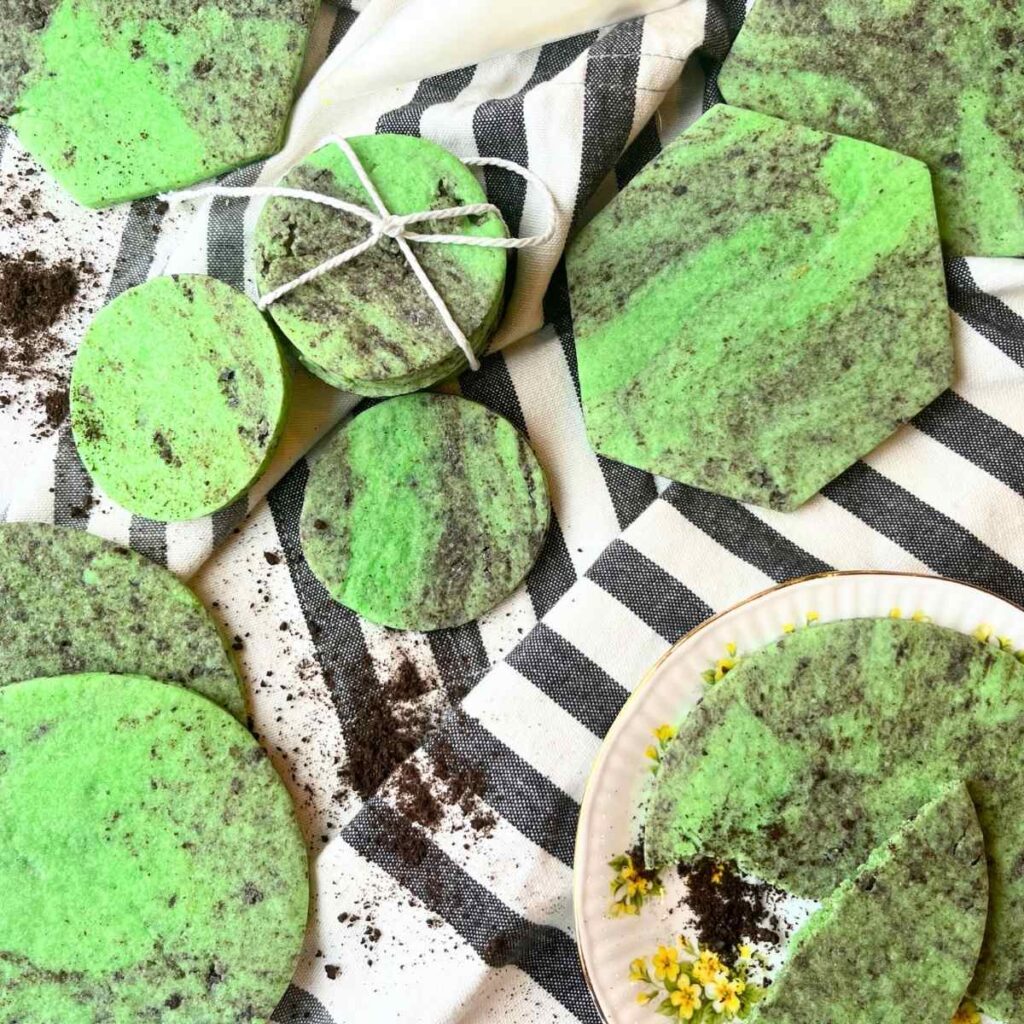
{"x": 643, "y": 998}
{"x": 664, "y": 733}
{"x": 666, "y": 963}
{"x": 652, "y": 753}
{"x": 746, "y": 952}
{"x": 812, "y": 617}
{"x": 967, "y": 1014}
{"x": 982, "y": 634}
{"x": 631, "y": 888}
{"x": 686, "y": 1000}
{"x": 895, "y": 613}
{"x": 708, "y": 967}
{"x": 789, "y": 627}
{"x": 717, "y": 873}
{"x": 724, "y": 994}
{"x": 919, "y": 616}
{"x": 638, "y": 969}
{"x": 722, "y": 666}
{"x": 628, "y": 871}
{"x": 642, "y": 885}
{"x": 731, "y": 648}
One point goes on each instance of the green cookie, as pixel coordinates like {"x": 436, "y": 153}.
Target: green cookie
{"x": 943, "y": 82}
{"x": 150, "y": 862}
{"x": 368, "y": 326}
{"x": 178, "y": 396}
{"x": 121, "y": 99}
{"x": 899, "y": 941}
{"x": 816, "y": 748}
{"x": 761, "y": 306}
{"x": 75, "y": 603}
{"x": 424, "y": 512}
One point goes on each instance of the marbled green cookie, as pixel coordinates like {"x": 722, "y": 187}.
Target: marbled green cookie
{"x": 424, "y": 512}
{"x": 943, "y": 82}
{"x": 815, "y": 749}
{"x": 150, "y": 862}
{"x": 72, "y": 603}
{"x": 178, "y": 396}
{"x": 761, "y": 306}
{"x": 899, "y": 941}
{"x": 368, "y": 326}
{"x": 121, "y": 99}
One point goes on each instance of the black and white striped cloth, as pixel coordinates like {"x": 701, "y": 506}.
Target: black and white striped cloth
{"x": 483, "y": 930}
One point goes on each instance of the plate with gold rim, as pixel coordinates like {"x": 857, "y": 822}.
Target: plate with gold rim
{"x": 610, "y": 938}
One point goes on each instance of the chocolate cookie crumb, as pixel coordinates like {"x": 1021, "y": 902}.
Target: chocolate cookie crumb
{"x": 33, "y": 295}
{"x": 729, "y": 910}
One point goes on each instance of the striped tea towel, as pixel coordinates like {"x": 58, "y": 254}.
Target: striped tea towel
{"x": 468, "y": 917}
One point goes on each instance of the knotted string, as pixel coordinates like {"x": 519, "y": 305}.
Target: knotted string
{"x": 384, "y": 224}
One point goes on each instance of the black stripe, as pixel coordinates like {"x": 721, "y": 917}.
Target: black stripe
{"x": 149, "y": 538}
{"x": 138, "y": 245}
{"x": 225, "y": 521}
{"x": 225, "y": 230}
{"x": 569, "y": 678}
{"x": 987, "y": 442}
{"x": 554, "y": 572}
{"x": 721, "y": 26}
{"x": 742, "y": 533}
{"x": 558, "y": 313}
{"x": 499, "y": 935}
{"x": 461, "y": 658}
{"x": 299, "y": 1007}
{"x": 942, "y": 544}
{"x": 524, "y": 797}
{"x": 609, "y": 104}
{"x": 641, "y": 151}
{"x": 650, "y": 593}
{"x": 989, "y": 316}
{"x": 406, "y": 120}
{"x": 72, "y": 488}
{"x": 335, "y": 630}
{"x": 343, "y": 21}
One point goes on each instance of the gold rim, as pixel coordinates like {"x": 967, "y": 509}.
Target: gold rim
{"x": 649, "y": 675}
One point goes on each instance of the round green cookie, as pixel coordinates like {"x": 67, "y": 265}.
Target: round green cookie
{"x": 75, "y": 603}
{"x": 178, "y": 395}
{"x": 150, "y": 863}
{"x": 121, "y": 99}
{"x": 424, "y": 512}
{"x": 368, "y": 326}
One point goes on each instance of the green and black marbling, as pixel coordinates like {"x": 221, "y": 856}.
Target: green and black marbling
{"x": 943, "y": 82}
{"x": 73, "y": 603}
{"x": 151, "y": 865}
{"x": 368, "y": 327}
{"x": 121, "y": 99}
{"x": 761, "y": 306}
{"x": 424, "y": 512}
{"x": 815, "y": 749}
{"x": 899, "y": 941}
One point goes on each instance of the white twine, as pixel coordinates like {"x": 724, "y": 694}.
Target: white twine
{"x": 384, "y": 224}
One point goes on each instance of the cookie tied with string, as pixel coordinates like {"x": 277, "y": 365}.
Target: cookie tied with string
{"x": 368, "y": 326}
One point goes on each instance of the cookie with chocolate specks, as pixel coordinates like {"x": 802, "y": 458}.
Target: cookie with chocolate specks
{"x": 816, "y": 748}
{"x": 121, "y": 99}
{"x": 178, "y": 397}
{"x": 151, "y": 865}
{"x": 368, "y": 326}
{"x": 73, "y": 603}
{"x": 424, "y": 512}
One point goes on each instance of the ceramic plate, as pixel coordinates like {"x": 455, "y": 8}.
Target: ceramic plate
{"x": 621, "y": 773}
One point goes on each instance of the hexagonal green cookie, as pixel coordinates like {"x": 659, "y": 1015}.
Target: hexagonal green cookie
{"x": 120, "y": 99}
{"x": 761, "y": 306}
{"x": 943, "y": 82}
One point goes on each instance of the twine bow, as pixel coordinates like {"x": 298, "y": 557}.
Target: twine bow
{"x": 384, "y": 224}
